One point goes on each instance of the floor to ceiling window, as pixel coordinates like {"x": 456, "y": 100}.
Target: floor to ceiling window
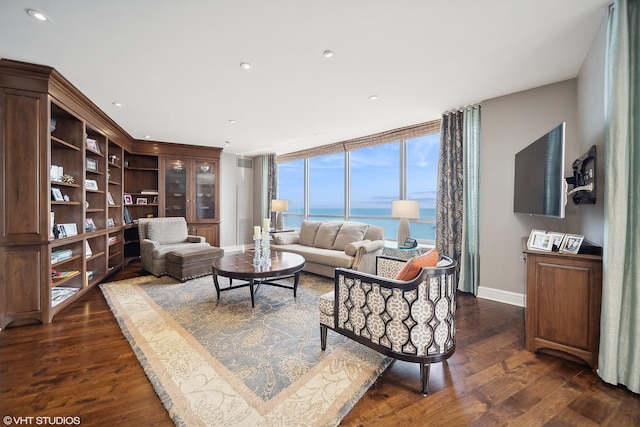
{"x": 360, "y": 184}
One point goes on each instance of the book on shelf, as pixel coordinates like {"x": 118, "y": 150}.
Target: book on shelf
{"x": 65, "y": 274}
{"x": 61, "y": 293}
{"x": 149, "y": 192}
{"x": 61, "y": 255}
{"x": 126, "y": 215}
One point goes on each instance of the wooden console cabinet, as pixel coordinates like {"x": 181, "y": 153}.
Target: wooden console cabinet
{"x": 564, "y": 295}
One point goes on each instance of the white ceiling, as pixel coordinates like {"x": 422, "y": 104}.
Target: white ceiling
{"x": 175, "y": 66}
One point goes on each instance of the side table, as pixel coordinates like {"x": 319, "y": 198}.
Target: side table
{"x": 402, "y": 253}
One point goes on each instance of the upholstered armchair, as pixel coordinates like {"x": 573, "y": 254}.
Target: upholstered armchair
{"x": 411, "y": 320}
{"x": 158, "y": 236}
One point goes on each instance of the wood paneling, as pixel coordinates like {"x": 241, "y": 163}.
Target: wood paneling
{"x": 21, "y": 145}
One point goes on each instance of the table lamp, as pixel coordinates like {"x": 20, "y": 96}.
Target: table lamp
{"x": 279, "y": 206}
{"x": 404, "y": 209}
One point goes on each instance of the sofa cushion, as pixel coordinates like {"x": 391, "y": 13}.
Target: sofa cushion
{"x": 167, "y": 233}
{"x": 412, "y": 268}
{"x": 326, "y": 235}
{"x": 308, "y": 232}
{"x": 349, "y": 232}
{"x": 336, "y": 259}
{"x": 286, "y": 239}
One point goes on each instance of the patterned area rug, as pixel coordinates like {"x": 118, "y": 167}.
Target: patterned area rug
{"x": 224, "y": 363}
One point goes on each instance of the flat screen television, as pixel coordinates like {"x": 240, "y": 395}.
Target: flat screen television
{"x": 540, "y": 186}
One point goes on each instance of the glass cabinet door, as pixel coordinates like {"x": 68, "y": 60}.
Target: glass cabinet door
{"x": 175, "y": 188}
{"x": 205, "y": 190}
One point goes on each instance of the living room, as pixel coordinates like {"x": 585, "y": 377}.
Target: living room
{"x": 510, "y": 121}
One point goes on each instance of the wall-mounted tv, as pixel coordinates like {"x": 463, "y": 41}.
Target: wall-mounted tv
{"x": 540, "y": 187}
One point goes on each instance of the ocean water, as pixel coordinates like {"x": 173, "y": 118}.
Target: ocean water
{"x": 422, "y": 229}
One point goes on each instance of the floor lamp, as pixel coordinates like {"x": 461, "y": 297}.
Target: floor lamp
{"x": 405, "y": 210}
{"x": 279, "y": 206}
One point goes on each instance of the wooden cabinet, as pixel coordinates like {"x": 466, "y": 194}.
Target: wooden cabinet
{"x": 70, "y": 176}
{"x": 191, "y": 191}
{"x": 564, "y": 294}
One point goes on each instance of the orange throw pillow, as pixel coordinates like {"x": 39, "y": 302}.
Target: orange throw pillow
{"x": 412, "y": 268}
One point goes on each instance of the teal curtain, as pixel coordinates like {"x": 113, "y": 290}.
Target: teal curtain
{"x": 619, "y": 358}
{"x": 458, "y": 198}
{"x": 470, "y": 254}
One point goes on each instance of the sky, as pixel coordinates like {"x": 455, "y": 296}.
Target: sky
{"x": 374, "y": 173}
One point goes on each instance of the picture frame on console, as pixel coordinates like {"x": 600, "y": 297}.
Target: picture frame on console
{"x": 571, "y": 243}
{"x": 540, "y": 240}
{"x": 128, "y": 200}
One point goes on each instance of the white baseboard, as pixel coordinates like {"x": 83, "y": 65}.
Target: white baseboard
{"x": 507, "y": 297}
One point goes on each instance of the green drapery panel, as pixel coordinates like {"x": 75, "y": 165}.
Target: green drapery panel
{"x": 470, "y": 253}
{"x": 619, "y": 357}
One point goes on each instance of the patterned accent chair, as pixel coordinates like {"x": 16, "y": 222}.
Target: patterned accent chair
{"x": 412, "y": 321}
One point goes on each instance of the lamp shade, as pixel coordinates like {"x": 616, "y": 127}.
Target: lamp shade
{"x": 405, "y": 209}
{"x": 279, "y": 205}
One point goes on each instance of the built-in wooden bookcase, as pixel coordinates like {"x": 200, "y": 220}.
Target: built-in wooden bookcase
{"x": 141, "y": 185}
{"x": 115, "y": 215}
{"x": 67, "y": 170}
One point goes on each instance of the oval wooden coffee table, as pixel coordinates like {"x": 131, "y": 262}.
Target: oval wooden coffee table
{"x": 240, "y": 266}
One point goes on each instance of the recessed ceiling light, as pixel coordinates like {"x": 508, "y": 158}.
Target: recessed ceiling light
{"x": 245, "y": 66}
{"x": 117, "y": 104}
{"x": 226, "y": 143}
{"x": 373, "y": 97}
{"x": 327, "y": 53}
{"x": 232, "y": 121}
{"x": 36, "y": 14}
{"x": 147, "y": 136}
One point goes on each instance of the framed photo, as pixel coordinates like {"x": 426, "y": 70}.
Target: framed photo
{"x": 128, "y": 200}
{"x": 92, "y": 165}
{"x": 92, "y": 145}
{"x": 556, "y": 240}
{"x": 89, "y": 225}
{"x": 155, "y": 199}
{"x": 110, "y": 199}
{"x": 539, "y": 240}
{"x": 90, "y": 184}
{"x": 69, "y": 229}
{"x": 571, "y": 243}
{"x": 57, "y": 194}
{"x": 111, "y": 223}
{"x": 141, "y": 201}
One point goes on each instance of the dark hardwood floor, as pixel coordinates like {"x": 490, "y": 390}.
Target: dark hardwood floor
{"x": 82, "y": 366}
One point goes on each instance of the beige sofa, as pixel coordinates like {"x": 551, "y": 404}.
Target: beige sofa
{"x": 327, "y": 245}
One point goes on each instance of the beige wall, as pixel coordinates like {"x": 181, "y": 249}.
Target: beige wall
{"x": 509, "y": 124}
{"x": 592, "y": 128}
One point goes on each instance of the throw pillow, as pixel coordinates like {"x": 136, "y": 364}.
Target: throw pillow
{"x": 286, "y": 239}
{"x": 167, "y": 232}
{"x": 308, "y": 232}
{"x": 412, "y": 268}
{"x": 349, "y": 233}
{"x": 326, "y": 235}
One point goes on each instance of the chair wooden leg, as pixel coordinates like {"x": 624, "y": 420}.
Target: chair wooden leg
{"x": 323, "y": 337}
{"x": 424, "y": 378}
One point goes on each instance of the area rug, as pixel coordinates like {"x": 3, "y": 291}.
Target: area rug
{"x": 223, "y": 363}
